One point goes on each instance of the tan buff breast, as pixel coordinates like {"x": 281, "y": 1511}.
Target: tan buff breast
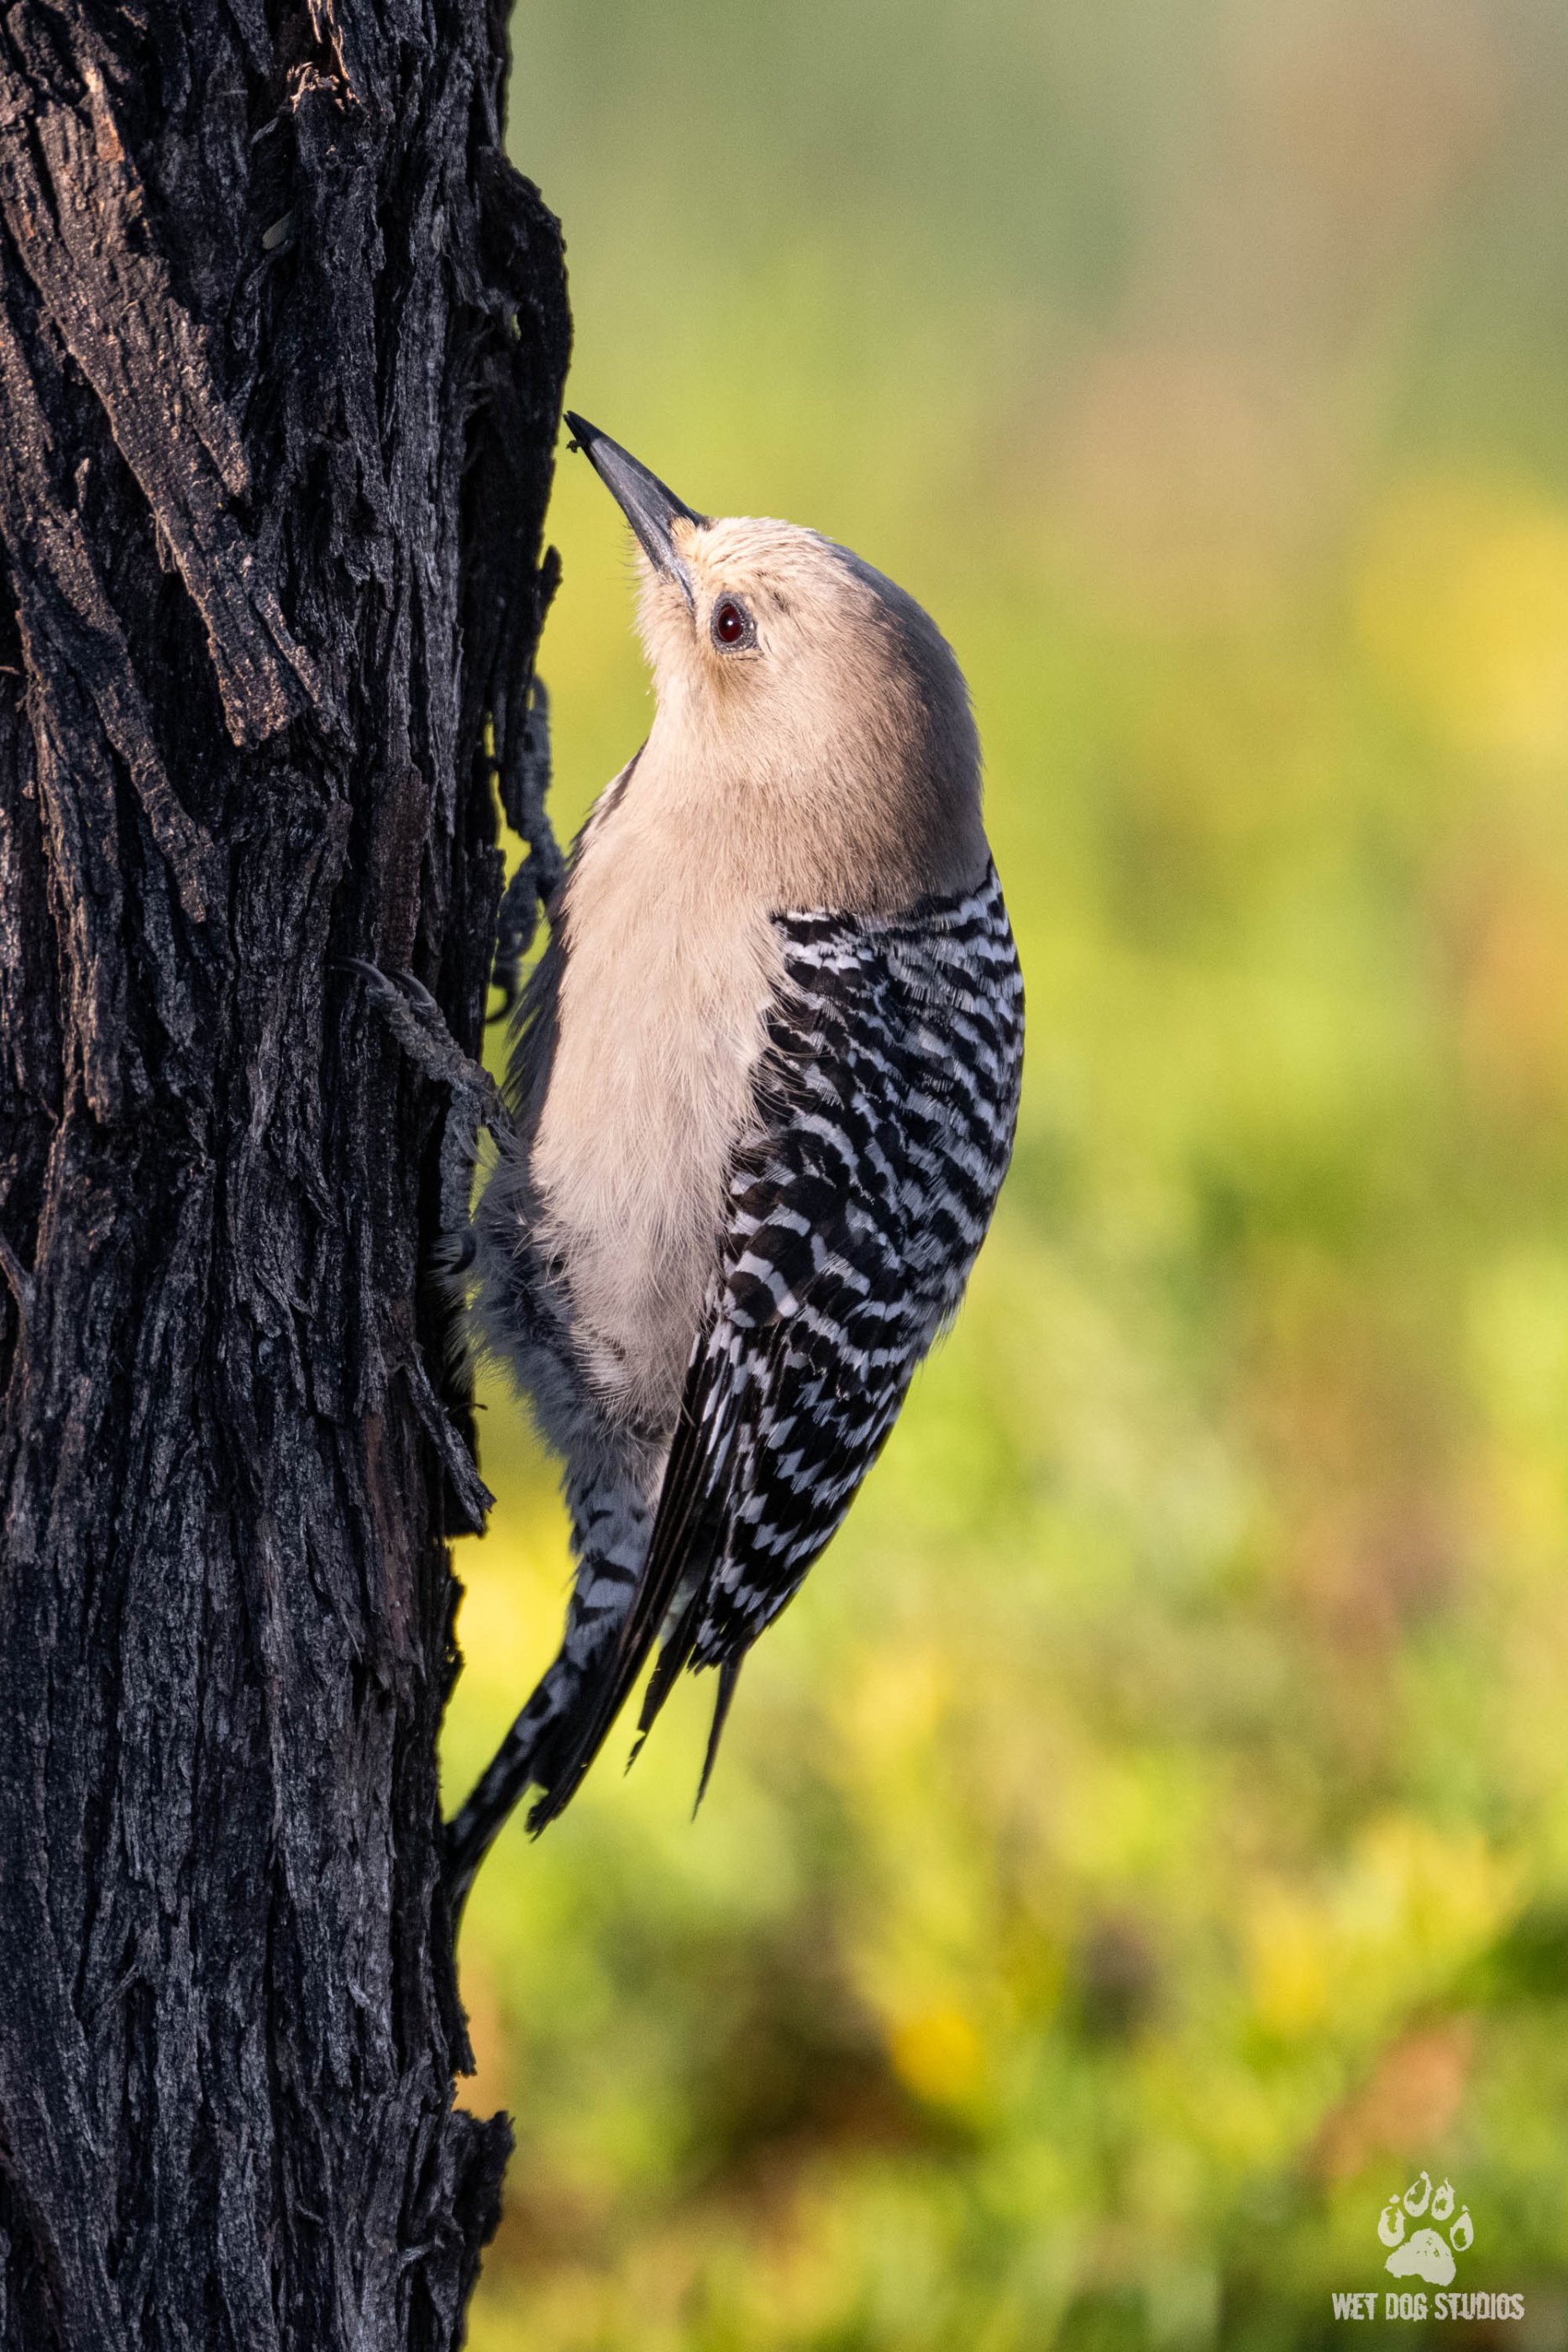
{"x": 668, "y": 977}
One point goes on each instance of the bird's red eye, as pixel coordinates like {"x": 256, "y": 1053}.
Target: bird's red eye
{"x": 729, "y": 622}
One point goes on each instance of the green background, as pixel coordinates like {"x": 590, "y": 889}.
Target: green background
{"x": 1144, "y": 1847}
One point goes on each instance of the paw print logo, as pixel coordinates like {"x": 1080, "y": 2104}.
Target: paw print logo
{"x": 1429, "y": 2254}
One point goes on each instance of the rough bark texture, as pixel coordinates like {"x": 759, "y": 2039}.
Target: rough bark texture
{"x": 281, "y": 346}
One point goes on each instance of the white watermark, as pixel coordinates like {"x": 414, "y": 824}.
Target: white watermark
{"x": 1427, "y": 2252}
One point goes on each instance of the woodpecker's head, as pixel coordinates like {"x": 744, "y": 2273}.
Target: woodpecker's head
{"x": 805, "y": 687}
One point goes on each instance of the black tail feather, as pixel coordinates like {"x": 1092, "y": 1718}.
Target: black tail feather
{"x": 728, "y": 1675}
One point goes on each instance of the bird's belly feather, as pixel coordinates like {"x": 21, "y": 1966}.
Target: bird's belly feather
{"x": 661, "y": 1026}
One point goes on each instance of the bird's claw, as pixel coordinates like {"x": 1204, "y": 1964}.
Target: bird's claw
{"x": 419, "y": 1025}
{"x": 419, "y": 996}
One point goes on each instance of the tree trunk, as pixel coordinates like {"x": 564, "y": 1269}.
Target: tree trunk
{"x": 282, "y": 341}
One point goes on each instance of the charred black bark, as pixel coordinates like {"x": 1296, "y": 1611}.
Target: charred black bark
{"x": 282, "y": 341}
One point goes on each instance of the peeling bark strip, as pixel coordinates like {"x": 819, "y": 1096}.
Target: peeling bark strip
{"x": 271, "y": 500}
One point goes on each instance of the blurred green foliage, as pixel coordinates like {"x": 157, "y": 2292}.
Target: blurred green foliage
{"x": 1145, "y": 1845}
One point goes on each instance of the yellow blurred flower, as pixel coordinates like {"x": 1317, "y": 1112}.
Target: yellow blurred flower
{"x": 939, "y": 2054}
{"x": 1412, "y": 1904}
{"x": 1462, "y": 604}
{"x": 1289, "y": 1963}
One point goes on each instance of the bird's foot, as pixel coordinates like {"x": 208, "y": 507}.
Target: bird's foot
{"x": 524, "y": 781}
{"x": 417, "y": 1023}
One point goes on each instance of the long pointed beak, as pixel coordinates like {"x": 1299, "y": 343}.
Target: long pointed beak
{"x": 648, "y": 506}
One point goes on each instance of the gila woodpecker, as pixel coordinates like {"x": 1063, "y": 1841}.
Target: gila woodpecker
{"x": 761, "y": 1100}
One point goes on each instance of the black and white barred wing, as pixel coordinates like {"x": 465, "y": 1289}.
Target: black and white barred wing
{"x": 885, "y": 1121}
